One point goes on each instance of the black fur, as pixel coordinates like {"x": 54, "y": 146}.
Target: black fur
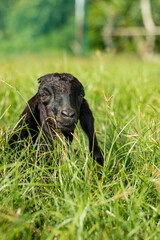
{"x": 58, "y": 105}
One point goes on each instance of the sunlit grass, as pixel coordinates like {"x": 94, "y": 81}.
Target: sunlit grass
{"x": 67, "y": 196}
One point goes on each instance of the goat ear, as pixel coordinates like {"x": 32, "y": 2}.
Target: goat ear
{"x": 87, "y": 123}
{"x": 28, "y": 120}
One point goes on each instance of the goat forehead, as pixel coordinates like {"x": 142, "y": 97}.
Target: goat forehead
{"x": 66, "y": 87}
{"x": 62, "y": 87}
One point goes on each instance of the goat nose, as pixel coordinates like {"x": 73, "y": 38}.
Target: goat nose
{"x": 67, "y": 113}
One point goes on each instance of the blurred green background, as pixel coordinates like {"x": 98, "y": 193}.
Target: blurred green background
{"x": 27, "y": 25}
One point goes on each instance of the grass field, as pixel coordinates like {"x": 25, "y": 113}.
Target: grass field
{"x": 67, "y": 199}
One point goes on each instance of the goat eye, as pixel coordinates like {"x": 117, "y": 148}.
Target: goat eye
{"x": 44, "y": 96}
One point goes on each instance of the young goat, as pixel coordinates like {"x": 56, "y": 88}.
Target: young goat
{"x": 58, "y": 105}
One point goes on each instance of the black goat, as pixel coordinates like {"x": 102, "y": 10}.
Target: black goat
{"x": 58, "y": 104}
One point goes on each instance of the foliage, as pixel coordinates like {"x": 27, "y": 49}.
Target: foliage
{"x": 31, "y": 23}
{"x": 35, "y": 25}
{"x": 39, "y": 17}
{"x": 69, "y": 196}
{"x": 122, "y": 14}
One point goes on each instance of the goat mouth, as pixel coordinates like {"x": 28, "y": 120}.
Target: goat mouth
{"x": 66, "y": 127}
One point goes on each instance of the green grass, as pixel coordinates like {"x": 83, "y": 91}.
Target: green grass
{"x": 65, "y": 197}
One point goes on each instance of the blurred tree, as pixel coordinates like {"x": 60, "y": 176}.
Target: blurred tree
{"x": 39, "y": 17}
{"x": 28, "y": 21}
{"x": 79, "y": 26}
{"x": 5, "y": 7}
{"x": 39, "y": 24}
{"x": 149, "y": 25}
